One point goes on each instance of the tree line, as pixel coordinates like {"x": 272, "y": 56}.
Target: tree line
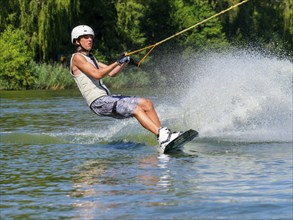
{"x": 41, "y": 28}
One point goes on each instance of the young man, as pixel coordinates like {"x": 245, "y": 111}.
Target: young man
{"x": 88, "y": 74}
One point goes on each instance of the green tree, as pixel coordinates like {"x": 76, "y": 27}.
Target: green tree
{"x": 287, "y": 9}
{"x": 124, "y": 25}
{"x": 266, "y": 23}
{"x": 157, "y": 23}
{"x": 130, "y": 17}
{"x": 9, "y": 14}
{"x": 209, "y": 35}
{"x": 46, "y": 23}
{"x": 15, "y": 72}
{"x": 101, "y": 15}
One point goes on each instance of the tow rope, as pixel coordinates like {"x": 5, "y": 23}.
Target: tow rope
{"x": 181, "y": 32}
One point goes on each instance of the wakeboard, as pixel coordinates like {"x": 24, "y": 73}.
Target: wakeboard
{"x": 178, "y": 142}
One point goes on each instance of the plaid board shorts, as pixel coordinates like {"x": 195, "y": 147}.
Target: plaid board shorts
{"x": 115, "y": 106}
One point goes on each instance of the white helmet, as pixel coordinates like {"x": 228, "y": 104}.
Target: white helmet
{"x": 81, "y": 30}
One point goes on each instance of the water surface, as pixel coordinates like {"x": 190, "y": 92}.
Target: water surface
{"x": 60, "y": 161}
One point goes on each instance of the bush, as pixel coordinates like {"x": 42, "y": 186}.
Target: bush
{"x": 134, "y": 77}
{"x": 51, "y": 76}
{"x": 15, "y": 58}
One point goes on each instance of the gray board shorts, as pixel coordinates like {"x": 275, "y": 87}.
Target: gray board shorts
{"x": 115, "y": 106}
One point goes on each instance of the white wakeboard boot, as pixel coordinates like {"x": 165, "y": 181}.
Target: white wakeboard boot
{"x": 165, "y": 136}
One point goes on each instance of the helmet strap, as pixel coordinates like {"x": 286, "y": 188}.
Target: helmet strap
{"x": 80, "y": 48}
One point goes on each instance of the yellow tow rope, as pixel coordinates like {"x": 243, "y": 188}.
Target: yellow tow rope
{"x": 181, "y": 32}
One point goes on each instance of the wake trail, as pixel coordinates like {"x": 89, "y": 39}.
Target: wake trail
{"x": 239, "y": 95}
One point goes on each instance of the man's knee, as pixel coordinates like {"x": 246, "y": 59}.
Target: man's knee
{"x": 146, "y": 104}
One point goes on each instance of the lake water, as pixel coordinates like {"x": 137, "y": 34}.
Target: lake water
{"x": 60, "y": 161}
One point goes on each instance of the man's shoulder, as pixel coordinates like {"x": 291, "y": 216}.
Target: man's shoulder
{"x": 77, "y": 56}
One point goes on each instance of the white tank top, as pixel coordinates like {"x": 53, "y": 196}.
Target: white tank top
{"x": 90, "y": 88}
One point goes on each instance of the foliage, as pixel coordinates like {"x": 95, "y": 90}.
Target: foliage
{"x": 40, "y": 31}
{"x": 101, "y": 15}
{"x": 51, "y": 76}
{"x": 100, "y": 56}
{"x": 135, "y": 78}
{"x": 186, "y": 13}
{"x": 130, "y": 16}
{"x": 261, "y": 23}
{"x": 46, "y": 23}
{"x": 123, "y": 25}
{"x": 15, "y": 59}
{"x": 157, "y": 23}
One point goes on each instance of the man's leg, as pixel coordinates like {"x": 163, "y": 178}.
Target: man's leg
{"x": 147, "y": 116}
{"x": 149, "y": 109}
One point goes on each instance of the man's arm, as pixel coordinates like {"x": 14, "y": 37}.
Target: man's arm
{"x": 80, "y": 63}
{"x": 115, "y": 71}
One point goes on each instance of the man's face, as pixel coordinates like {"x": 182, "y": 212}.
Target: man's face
{"x": 86, "y": 41}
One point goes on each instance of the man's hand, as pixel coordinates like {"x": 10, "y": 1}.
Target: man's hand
{"x": 123, "y": 59}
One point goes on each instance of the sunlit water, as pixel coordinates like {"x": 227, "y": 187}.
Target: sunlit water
{"x": 58, "y": 160}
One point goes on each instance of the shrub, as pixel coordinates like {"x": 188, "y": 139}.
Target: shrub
{"x": 15, "y": 58}
{"x": 51, "y": 76}
{"x": 134, "y": 77}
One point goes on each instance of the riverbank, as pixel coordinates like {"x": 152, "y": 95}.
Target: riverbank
{"x": 57, "y": 77}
